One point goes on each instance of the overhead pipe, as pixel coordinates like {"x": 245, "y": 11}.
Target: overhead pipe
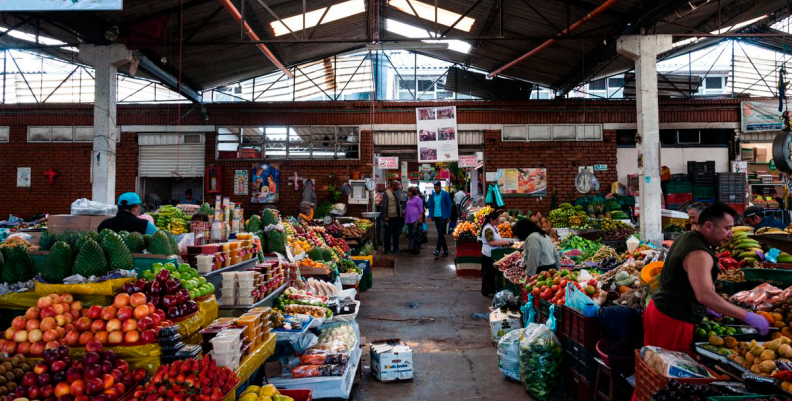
{"x": 252, "y": 35}
{"x": 541, "y": 47}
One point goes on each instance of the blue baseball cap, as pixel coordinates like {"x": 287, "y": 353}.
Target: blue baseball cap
{"x": 129, "y": 199}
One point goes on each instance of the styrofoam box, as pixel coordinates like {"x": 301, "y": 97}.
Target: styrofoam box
{"x": 246, "y": 291}
{"x": 391, "y": 360}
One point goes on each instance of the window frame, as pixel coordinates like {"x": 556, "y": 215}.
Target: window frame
{"x": 5, "y": 134}
{"x": 73, "y": 128}
{"x": 553, "y": 132}
{"x": 310, "y": 141}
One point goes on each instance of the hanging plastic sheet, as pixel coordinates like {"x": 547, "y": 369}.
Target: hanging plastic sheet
{"x": 494, "y": 195}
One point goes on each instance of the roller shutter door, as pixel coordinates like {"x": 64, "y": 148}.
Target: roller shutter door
{"x": 161, "y": 156}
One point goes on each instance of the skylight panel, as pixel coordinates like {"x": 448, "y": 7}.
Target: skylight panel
{"x": 427, "y": 12}
{"x": 336, "y": 12}
{"x": 27, "y": 37}
{"x": 410, "y": 31}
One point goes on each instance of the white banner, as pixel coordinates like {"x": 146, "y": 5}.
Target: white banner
{"x": 61, "y": 5}
{"x": 760, "y": 116}
{"x": 387, "y": 163}
{"x": 467, "y": 161}
{"x": 437, "y": 134}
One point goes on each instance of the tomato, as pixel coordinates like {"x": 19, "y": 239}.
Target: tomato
{"x": 555, "y": 288}
{"x": 563, "y": 283}
{"x": 559, "y": 302}
{"x": 536, "y": 291}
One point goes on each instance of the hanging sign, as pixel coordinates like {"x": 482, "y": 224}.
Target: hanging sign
{"x": 388, "y": 163}
{"x": 760, "y": 116}
{"x": 61, "y": 5}
{"x": 467, "y": 161}
{"x": 437, "y": 134}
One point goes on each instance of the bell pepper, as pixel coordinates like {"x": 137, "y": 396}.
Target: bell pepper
{"x": 724, "y": 254}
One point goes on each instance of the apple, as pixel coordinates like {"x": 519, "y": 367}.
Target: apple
{"x": 49, "y": 335}
{"x": 21, "y": 336}
{"x": 155, "y": 317}
{"x": 61, "y": 332}
{"x": 30, "y": 325}
{"x": 93, "y": 371}
{"x": 33, "y": 392}
{"x": 151, "y": 307}
{"x": 35, "y": 349}
{"x": 120, "y": 387}
{"x": 57, "y": 366}
{"x": 72, "y": 338}
{"x": 137, "y": 299}
{"x": 94, "y": 386}
{"x": 101, "y": 336}
{"x": 20, "y": 323}
{"x": 141, "y": 311}
{"x": 85, "y": 338}
{"x": 113, "y": 325}
{"x": 10, "y": 347}
{"x": 148, "y": 336}
{"x": 77, "y": 388}
{"x": 58, "y": 309}
{"x": 76, "y": 305}
{"x": 9, "y": 333}
{"x": 66, "y": 307}
{"x": 94, "y": 346}
{"x": 112, "y": 394}
{"x": 23, "y": 348}
{"x": 48, "y": 323}
{"x": 83, "y": 324}
{"x": 107, "y": 366}
{"x": 55, "y": 298}
{"x": 43, "y": 379}
{"x": 97, "y": 325}
{"x": 122, "y": 365}
{"x": 62, "y": 389}
{"x": 94, "y": 312}
{"x": 32, "y": 313}
{"x": 132, "y": 336}
{"x": 67, "y": 317}
{"x": 60, "y": 320}
{"x": 29, "y": 379}
{"x": 75, "y": 373}
{"x": 109, "y": 312}
{"x": 146, "y": 323}
{"x": 75, "y": 315}
{"x": 115, "y": 337}
{"x": 35, "y": 335}
{"x": 125, "y": 312}
{"x": 44, "y": 302}
{"x": 130, "y": 324}
{"x": 120, "y": 300}
{"x": 40, "y": 368}
{"x": 52, "y": 345}
{"x": 47, "y": 312}
{"x": 47, "y": 391}
{"x": 108, "y": 380}
{"x": 68, "y": 327}
{"x": 67, "y": 298}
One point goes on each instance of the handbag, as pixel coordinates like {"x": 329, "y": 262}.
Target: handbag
{"x": 422, "y": 237}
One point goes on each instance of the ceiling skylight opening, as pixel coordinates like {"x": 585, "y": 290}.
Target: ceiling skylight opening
{"x": 28, "y": 37}
{"x": 427, "y": 12}
{"x": 410, "y": 31}
{"x": 738, "y": 26}
{"x": 336, "y": 12}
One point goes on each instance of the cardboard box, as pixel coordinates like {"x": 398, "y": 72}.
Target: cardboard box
{"x": 60, "y": 223}
{"x": 391, "y": 360}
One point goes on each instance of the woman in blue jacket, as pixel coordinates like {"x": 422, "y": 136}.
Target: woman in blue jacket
{"x": 439, "y": 208}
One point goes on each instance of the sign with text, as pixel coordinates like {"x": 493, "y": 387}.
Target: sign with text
{"x": 388, "y": 163}
{"x": 600, "y": 167}
{"x": 467, "y": 161}
{"x": 61, "y": 5}
{"x": 760, "y": 116}
{"x": 437, "y": 134}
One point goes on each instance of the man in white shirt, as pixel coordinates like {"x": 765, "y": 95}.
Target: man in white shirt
{"x": 459, "y": 196}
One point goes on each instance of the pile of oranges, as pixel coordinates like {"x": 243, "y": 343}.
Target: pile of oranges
{"x": 310, "y": 263}
{"x": 466, "y": 226}
{"x": 505, "y": 230}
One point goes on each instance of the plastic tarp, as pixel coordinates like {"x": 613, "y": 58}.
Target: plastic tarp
{"x": 253, "y": 362}
{"x": 24, "y": 300}
{"x": 109, "y": 287}
{"x": 145, "y": 356}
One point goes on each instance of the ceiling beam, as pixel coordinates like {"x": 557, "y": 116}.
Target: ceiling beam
{"x": 588, "y": 6}
{"x": 167, "y": 79}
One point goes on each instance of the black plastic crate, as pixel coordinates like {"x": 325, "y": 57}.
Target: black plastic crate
{"x": 731, "y": 178}
{"x": 579, "y": 359}
{"x": 704, "y": 179}
{"x": 680, "y": 177}
{"x": 701, "y": 167}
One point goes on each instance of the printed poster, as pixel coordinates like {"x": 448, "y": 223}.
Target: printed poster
{"x": 760, "y": 116}
{"x": 61, "y": 5}
{"x": 23, "y": 177}
{"x": 264, "y": 182}
{"x": 241, "y": 182}
{"x": 522, "y": 181}
{"x": 437, "y": 134}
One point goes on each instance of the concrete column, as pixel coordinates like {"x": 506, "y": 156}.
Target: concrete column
{"x": 105, "y": 60}
{"x": 644, "y": 50}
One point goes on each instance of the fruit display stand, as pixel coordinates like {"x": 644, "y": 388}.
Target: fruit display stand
{"x": 207, "y": 313}
{"x": 252, "y": 363}
{"x": 215, "y": 277}
{"x": 468, "y": 258}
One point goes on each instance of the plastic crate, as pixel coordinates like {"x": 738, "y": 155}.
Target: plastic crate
{"x": 673, "y": 199}
{"x": 701, "y": 167}
{"x": 579, "y": 359}
{"x": 703, "y": 179}
{"x": 739, "y": 207}
{"x": 703, "y": 192}
{"x": 498, "y": 254}
{"x": 647, "y": 382}
{"x": 704, "y": 200}
{"x": 585, "y": 331}
{"x": 543, "y": 311}
{"x": 678, "y": 187}
{"x": 579, "y": 389}
{"x": 731, "y": 288}
{"x": 733, "y": 178}
{"x": 468, "y": 249}
{"x": 780, "y": 278}
{"x": 298, "y": 395}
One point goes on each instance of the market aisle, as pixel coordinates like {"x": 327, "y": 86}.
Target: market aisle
{"x": 422, "y": 302}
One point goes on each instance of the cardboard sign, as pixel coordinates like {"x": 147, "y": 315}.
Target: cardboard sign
{"x": 388, "y": 163}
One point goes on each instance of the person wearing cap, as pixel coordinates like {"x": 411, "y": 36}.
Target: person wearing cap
{"x": 439, "y": 211}
{"x": 753, "y": 216}
{"x": 127, "y": 217}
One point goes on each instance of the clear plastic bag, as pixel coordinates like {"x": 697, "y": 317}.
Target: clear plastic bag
{"x": 505, "y": 298}
{"x": 84, "y": 206}
{"x": 541, "y": 355}
{"x": 509, "y": 354}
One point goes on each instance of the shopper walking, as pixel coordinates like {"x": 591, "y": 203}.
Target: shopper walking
{"x": 413, "y": 217}
{"x": 490, "y": 239}
{"x": 687, "y": 290}
{"x": 394, "y": 220}
{"x": 539, "y": 252}
{"x": 439, "y": 212}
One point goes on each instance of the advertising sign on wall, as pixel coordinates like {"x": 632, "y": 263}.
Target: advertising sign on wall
{"x": 760, "y": 116}
{"x": 437, "y": 134}
{"x": 522, "y": 181}
{"x": 61, "y": 5}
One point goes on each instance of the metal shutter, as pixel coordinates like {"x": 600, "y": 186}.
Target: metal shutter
{"x": 158, "y": 155}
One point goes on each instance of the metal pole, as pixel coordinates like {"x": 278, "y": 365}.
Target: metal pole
{"x": 732, "y": 68}
{"x": 5, "y": 60}
{"x": 415, "y": 75}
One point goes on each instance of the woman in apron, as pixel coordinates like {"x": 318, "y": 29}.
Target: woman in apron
{"x": 490, "y": 239}
{"x": 539, "y": 252}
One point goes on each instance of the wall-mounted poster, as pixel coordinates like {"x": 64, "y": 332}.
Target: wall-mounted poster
{"x": 522, "y": 181}
{"x": 760, "y": 116}
{"x": 437, "y": 134}
{"x": 241, "y": 182}
{"x": 23, "y": 177}
{"x": 264, "y": 182}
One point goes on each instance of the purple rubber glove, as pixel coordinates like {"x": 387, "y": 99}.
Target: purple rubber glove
{"x": 712, "y": 313}
{"x": 757, "y": 321}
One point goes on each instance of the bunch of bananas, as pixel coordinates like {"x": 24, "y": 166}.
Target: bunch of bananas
{"x": 770, "y": 231}
{"x": 179, "y": 226}
{"x": 165, "y": 215}
{"x": 740, "y": 246}
{"x": 578, "y": 220}
{"x": 562, "y": 217}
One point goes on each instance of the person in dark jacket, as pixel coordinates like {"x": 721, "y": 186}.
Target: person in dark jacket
{"x": 127, "y": 217}
{"x": 439, "y": 207}
{"x": 393, "y": 216}
{"x": 754, "y": 217}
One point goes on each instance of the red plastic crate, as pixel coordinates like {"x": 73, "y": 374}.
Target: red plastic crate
{"x": 678, "y": 199}
{"x": 585, "y": 331}
{"x": 298, "y": 395}
{"x": 468, "y": 249}
{"x": 739, "y": 207}
{"x": 647, "y": 382}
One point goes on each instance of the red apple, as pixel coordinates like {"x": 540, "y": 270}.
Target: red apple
{"x": 62, "y": 389}
{"x": 94, "y": 312}
{"x": 47, "y": 391}
{"x": 93, "y": 371}
{"x": 36, "y": 349}
{"x": 125, "y": 312}
{"x": 21, "y": 336}
{"x": 23, "y": 348}
{"x": 60, "y": 320}
{"x": 97, "y": 325}
{"x": 129, "y": 325}
{"x": 44, "y": 302}
{"x": 68, "y": 317}
{"x": 48, "y": 323}
{"x": 148, "y": 336}
{"x": 30, "y": 325}
{"x": 94, "y": 346}
{"x": 131, "y": 337}
{"x": 83, "y": 324}
{"x": 141, "y": 311}
{"x": 66, "y": 307}
{"x": 137, "y": 299}
{"x": 146, "y": 323}
{"x": 113, "y": 325}
{"x": 122, "y": 365}
{"x": 55, "y": 298}
{"x": 29, "y": 379}
{"x": 61, "y": 332}
{"x": 120, "y": 300}
{"x": 75, "y": 373}
{"x": 151, "y": 307}
{"x": 52, "y": 345}
{"x": 49, "y": 335}
{"x": 72, "y": 338}
{"x": 75, "y": 315}
{"x": 115, "y": 337}
{"x": 85, "y": 338}
{"x": 40, "y": 368}
{"x": 58, "y": 309}
{"x": 32, "y": 313}
{"x": 35, "y": 335}
{"x": 58, "y": 366}
{"x": 67, "y": 298}
{"x": 9, "y": 333}
{"x": 20, "y": 323}
{"x": 10, "y": 347}
{"x": 109, "y": 312}
{"x": 76, "y": 305}
{"x": 76, "y": 389}
{"x": 155, "y": 318}
{"x": 47, "y": 312}
{"x": 101, "y": 336}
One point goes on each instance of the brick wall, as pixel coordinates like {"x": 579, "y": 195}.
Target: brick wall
{"x": 561, "y": 159}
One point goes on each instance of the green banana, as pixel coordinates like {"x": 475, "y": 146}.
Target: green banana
{"x": 748, "y": 254}
{"x": 748, "y": 244}
{"x": 785, "y": 259}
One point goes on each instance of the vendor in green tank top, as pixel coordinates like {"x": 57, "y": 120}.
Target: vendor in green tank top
{"x": 687, "y": 290}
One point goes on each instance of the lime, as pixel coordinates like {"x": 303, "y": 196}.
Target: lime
{"x": 701, "y": 333}
{"x": 730, "y": 331}
{"x": 711, "y": 334}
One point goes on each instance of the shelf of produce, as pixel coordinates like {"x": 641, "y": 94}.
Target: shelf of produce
{"x": 251, "y": 363}
{"x": 216, "y": 278}
{"x": 782, "y": 242}
{"x": 355, "y": 242}
{"x": 266, "y": 301}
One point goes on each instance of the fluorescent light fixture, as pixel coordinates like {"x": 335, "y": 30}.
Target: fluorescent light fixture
{"x": 427, "y": 12}
{"x": 408, "y": 46}
{"x": 336, "y": 12}
{"x": 410, "y": 31}
{"x": 27, "y": 37}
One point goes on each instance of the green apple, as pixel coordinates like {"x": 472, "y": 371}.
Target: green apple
{"x": 211, "y": 288}
{"x": 193, "y": 294}
{"x": 176, "y": 275}
{"x": 170, "y": 266}
{"x": 184, "y": 266}
{"x": 201, "y": 280}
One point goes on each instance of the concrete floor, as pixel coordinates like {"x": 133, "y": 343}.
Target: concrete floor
{"x": 424, "y": 303}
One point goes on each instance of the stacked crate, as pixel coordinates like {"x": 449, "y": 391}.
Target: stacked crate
{"x": 678, "y": 191}
{"x": 704, "y": 179}
{"x": 731, "y": 190}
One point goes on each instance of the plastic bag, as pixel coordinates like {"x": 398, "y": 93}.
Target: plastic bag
{"x": 509, "y": 354}
{"x": 505, "y": 298}
{"x": 502, "y": 323}
{"x": 541, "y": 355}
{"x": 84, "y": 206}
{"x": 577, "y": 300}
{"x": 633, "y": 243}
{"x": 528, "y": 310}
